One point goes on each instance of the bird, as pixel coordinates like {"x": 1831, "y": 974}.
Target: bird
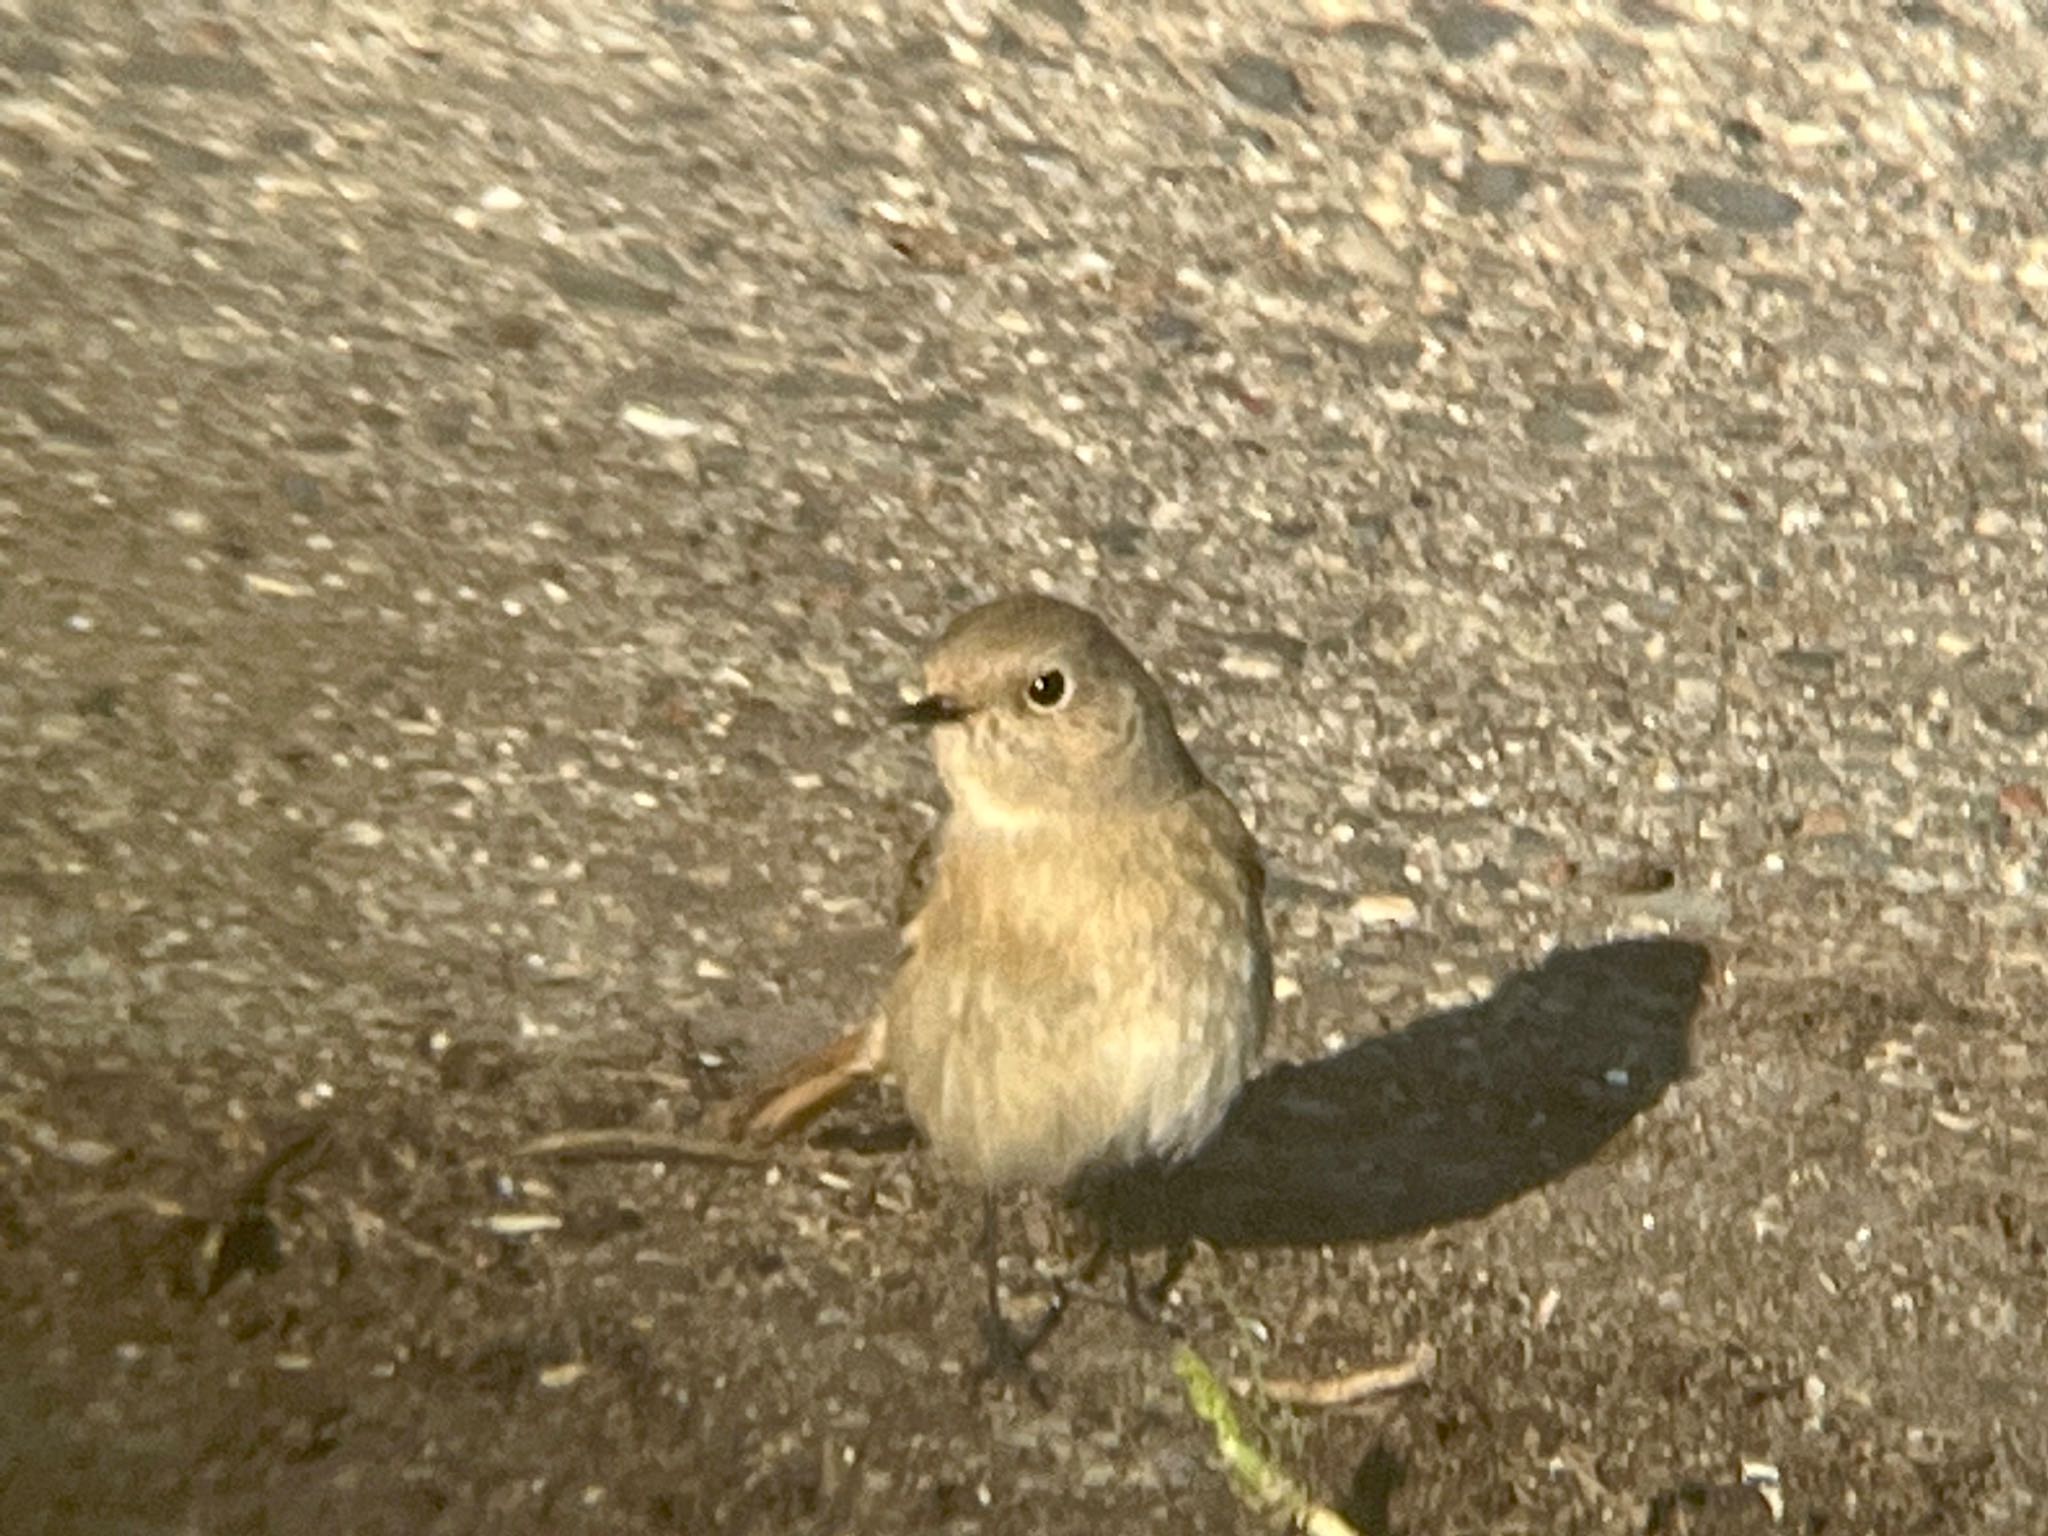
{"x": 1085, "y": 978}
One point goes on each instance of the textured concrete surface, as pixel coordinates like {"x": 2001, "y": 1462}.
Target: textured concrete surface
{"x": 472, "y": 474}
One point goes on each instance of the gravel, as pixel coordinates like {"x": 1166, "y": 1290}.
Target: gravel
{"x": 471, "y": 478}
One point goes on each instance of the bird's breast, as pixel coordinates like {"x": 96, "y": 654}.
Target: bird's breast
{"x": 1069, "y": 999}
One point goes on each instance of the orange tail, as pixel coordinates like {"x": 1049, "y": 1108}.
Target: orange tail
{"x": 802, "y": 1091}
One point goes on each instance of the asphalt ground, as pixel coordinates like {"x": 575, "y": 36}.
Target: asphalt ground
{"x": 473, "y": 476}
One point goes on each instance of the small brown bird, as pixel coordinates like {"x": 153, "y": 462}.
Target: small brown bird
{"x": 1086, "y": 980}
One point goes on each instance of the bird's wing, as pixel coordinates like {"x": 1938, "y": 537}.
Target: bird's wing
{"x": 808, "y": 1086}
{"x": 1228, "y": 828}
{"x": 917, "y": 877}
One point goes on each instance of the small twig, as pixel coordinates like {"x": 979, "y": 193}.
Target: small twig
{"x": 674, "y": 1082}
{"x": 307, "y": 1147}
{"x": 126, "y": 1202}
{"x": 639, "y": 1147}
{"x": 1353, "y": 1387}
{"x": 1261, "y": 1483}
{"x": 368, "y": 1224}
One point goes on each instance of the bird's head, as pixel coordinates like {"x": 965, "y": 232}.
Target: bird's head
{"x": 1037, "y": 710}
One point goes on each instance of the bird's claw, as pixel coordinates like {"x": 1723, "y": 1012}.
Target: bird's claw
{"x": 1006, "y": 1352}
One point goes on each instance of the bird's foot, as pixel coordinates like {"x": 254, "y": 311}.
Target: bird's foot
{"x": 1147, "y": 1303}
{"x": 1007, "y": 1351}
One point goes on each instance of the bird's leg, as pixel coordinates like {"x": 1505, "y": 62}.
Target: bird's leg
{"x": 991, "y": 1255}
{"x": 1177, "y": 1257}
{"x": 1138, "y": 1300}
{"x": 1096, "y": 1214}
{"x": 1149, "y": 1302}
{"x": 1144, "y": 1302}
{"x": 1008, "y": 1352}
{"x": 1092, "y": 1265}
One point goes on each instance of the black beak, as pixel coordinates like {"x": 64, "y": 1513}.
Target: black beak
{"x": 932, "y": 709}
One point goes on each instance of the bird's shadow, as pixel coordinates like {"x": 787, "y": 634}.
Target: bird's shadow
{"x": 1443, "y": 1120}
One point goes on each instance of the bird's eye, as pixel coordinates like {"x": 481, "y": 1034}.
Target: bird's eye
{"x": 1048, "y": 690}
